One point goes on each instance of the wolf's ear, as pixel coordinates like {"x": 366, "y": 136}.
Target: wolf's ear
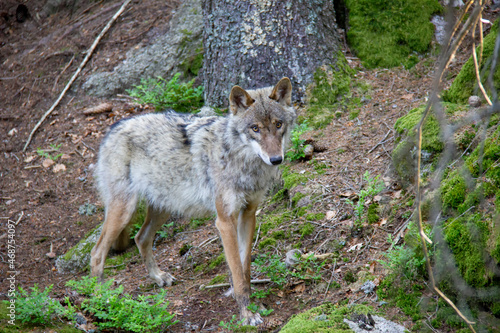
{"x": 282, "y": 92}
{"x": 239, "y": 99}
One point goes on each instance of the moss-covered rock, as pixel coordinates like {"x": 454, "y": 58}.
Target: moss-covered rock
{"x": 78, "y": 257}
{"x": 453, "y": 190}
{"x": 324, "y": 318}
{"x": 332, "y": 85}
{"x": 465, "y": 84}
{"x": 467, "y": 238}
{"x": 389, "y": 33}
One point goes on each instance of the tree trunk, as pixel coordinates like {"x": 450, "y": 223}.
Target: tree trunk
{"x": 255, "y": 43}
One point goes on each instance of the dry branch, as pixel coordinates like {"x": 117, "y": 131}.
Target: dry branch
{"x": 84, "y": 62}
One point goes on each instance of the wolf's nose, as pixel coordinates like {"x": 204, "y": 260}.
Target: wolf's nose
{"x": 275, "y": 160}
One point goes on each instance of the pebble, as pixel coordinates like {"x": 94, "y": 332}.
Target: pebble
{"x": 475, "y": 101}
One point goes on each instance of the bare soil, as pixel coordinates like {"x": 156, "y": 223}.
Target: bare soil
{"x": 37, "y": 58}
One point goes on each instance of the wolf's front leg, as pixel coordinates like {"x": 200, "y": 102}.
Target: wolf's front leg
{"x": 228, "y": 228}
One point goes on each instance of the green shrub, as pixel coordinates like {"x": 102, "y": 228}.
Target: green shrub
{"x": 38, "y": 308}
{"x": 296, "y": 152}
{"x": 163, "y": 94}
{"x": 116, "y": 310}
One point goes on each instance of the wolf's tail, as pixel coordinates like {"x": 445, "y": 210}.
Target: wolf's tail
{"x": 123, "y": 240}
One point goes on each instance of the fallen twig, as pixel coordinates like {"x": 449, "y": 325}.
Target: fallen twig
{"x": 64, "y": 70}
{"x": 84, "y": 62}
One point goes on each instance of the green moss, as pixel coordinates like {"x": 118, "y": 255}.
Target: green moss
{"x": 325, "y": 318}
{"x": 491, "y": 155}
{"x": 306, "y": 230}
{"x": 453, "y": 190}
{"x": 271, "y": 221}
{"x": 388, "y": 33}
{"x": 431, "y": 137}
{"x": 466, "y": 236}
{"x": 373, "y": 211}
{"x": 315, "y": 217}
{"x": 279, "y": 234}
{"x": 465, "y": 84}
{"x": 267, "y": 242}
{"x": 221, "y": 258}
{"x": 292, "y": 179}
{"x": 403, "y": 161}
{"x": 331, "y": 86}
{"x": 218, "y": 279}
{"x": 192, "y": 65}
{"x": 296, "y": 198}
{"x": 281, "y": 195}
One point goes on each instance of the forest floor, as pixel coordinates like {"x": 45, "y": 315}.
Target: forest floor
{"x": 39, "y": 56}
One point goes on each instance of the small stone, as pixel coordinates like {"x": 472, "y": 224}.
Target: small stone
{"x": 475, "y": 101}
{"x": 368, "y": 287}
{"x": 47, "y": 163}
{"x": 51, "y": 255}
{"x": 308, "y": 152}
{"x": 59, "y": 167}
{"x": 12, "y": 132}
{"x": 292, "y": 257}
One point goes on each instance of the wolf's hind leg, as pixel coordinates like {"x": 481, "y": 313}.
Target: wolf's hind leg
{"x": 118, "y": 214}
{"x": 144, "y": 240}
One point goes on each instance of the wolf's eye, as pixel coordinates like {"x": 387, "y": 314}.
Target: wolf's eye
{"x": 255, "y": 128}
{"x": 279, "y": 124}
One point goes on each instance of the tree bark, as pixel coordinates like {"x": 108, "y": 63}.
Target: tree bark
{"x": 254, "y": 43}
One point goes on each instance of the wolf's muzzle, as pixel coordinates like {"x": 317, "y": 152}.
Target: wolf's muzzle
{"x": 275, "y": 160}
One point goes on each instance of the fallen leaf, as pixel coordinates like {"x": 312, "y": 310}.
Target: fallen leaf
{"x": 47, "y": 163}
{"x": 29, "y": 158}
{"x": 377, "y": 198}
{"x": 59, "y": 167}
{"x": 330, "y": 214}
{"x": 65, "y": 157}
{"x": 51, "y": 255}
{"x": 407, "y": 96}
{"x": 300, "y": 288}
{"x": 397, "y": 194}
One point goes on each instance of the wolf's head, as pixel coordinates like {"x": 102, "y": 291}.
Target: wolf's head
{"x": 265, "y": 119}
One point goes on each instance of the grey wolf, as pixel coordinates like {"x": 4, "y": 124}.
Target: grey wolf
{"x": 192, "y": 166}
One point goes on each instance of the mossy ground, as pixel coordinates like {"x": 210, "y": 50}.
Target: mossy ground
{"x": 465, "y": 84}
{"x": 324, "y": 318}
{"x": 394, "y": 33}
{"x": 467, "y": 251}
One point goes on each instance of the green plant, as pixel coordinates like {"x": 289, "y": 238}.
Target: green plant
{"x": 181, "y": 97}
{"x": 373, "y": 187}
{"x": 45, "y": 154}
{"x": 296, "y": 152}
{"x": 403, "y": 260}
{"x": 255, "y": 309}
{"x": 232, "y": 324}
{"x": 308, "y": 268}
{"x": 116, "y": 310}
{"x": 39, "y": 308}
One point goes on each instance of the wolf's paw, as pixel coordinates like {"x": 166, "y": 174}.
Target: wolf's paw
{"x": 163, "y": 279}
{"x": 252, "y": 319}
